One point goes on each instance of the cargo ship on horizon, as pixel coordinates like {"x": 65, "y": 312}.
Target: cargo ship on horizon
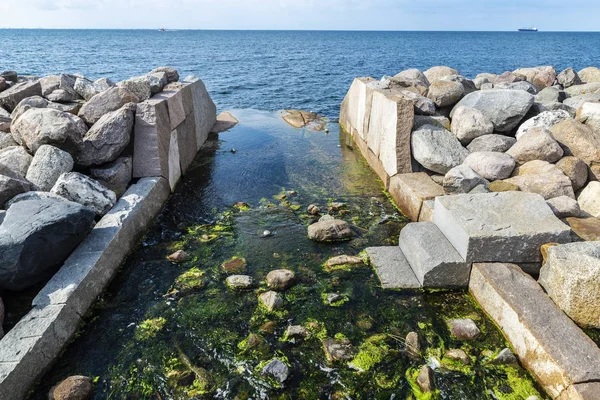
{"x": 534, "y": 29}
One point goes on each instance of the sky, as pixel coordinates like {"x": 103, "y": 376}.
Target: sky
{"x": 494, "y": 15}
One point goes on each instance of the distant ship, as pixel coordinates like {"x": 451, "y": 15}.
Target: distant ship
{"x": 534, "y": 29}
{"x": 162, "y": 29}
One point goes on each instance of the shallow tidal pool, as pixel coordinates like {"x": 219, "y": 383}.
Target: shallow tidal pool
{"x": 176, "y": 331}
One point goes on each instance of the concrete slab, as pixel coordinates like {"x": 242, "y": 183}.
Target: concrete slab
{"x": 499, "y": 227}
{"x": 433, "y": 259}
{"x": 174, "y": 161}
{"x": 547, "y": 342}
{"x": 409, "y": 191}
{"x": 186, "y": 142}
{"x": 205, "y": 111}
{"x": 152, "y": 136}
{"x": 426, "y": 214}
{"x": 392, "y": 268}
{"x": 355, "y": 112}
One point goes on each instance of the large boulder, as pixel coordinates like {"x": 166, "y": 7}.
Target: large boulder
{"x": 577, "y": 101}
{"x": 437, "y": 149}
{"x": 536, "y": 144}
{"x": 16, "y": 158}
{"x": 11, "y": 97}
{"x": 564, "y": 207}
{"x": 462, "y": 179}
{"x": 504, "y": 108}
{"x": 546, "y": 119}
{"x": 589, "y": 114}
{"x": 439, "y": 72}
{"x": 28, "y": 103}
{"x": 589, "y": 199}
{"x": 586, "y": 88}
{"x": 105, "y": 102}
{"x": 497, "y": 143}
{"x": 171, "y": 73}
{"x": 67, "y": 88}
{"x": 33, "y": 195}
{"x": 423, "y": 105}
{"x": 108, "y": 137}
{"x": 470, "y": 123}
{"x": 36, "y": 237}
{"x": 143, "y": 87}
{"x": 11, "y": 185}
{"x": 491, "y": 165}
{"x": 330, "y": 231}
{"x": 445, "y": 93}
{"x": 568, "y": 78}
{"x": 49, "y": 84}
{"x": 115, "y": 175}
{"x": 571, "y": 277}
{"x": 103, "y": 84}
{"x": 415, "y": 86}
{"x": 578, "y": 140}
{"x": 6, "y": 140}
{"x": 508, "y": 77}
{"x": 542, "y": 178}
{"x": 80, "y": 189}
{"x": 5, "y": 120}
{"x": 550, "y": 95}
{"x": 39, "y": 126}
{"x": 85, "y": 88}
{"x": 589, "y": 74}
{"x": 522, "y": 85}
{"x": 48, "y": 164}
{"x": 575, "y": 169}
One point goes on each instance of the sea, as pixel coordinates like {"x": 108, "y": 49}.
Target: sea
{"x": 273, "y": 70}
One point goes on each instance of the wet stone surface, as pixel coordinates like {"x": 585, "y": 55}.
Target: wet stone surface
{"x": 165, "y": 330}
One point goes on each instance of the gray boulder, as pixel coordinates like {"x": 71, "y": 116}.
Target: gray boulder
{"x": 33, "y": 196}
{"x": 67, "y": 86}
{"x": 29, "y": 103}
{"x": 550, "y": 95}
{"x": 522, "y": 85}
{"x": 49, "y": 84}
{"x": 103, "y": 84}
{"x": 536, "y": 144}
{"x": 48, "y": 164}
{"x": 171, "y": 73}
{"x": 108, "y": 137}
{"x": 62, "y": 96}
{"x": 558, "y": 106}
{"x": 586, "y": 88}
{"x": 542, "y": 178}
{"x": 575, "y": 169}
{"x": 438, "y": 72}
{"x": 491, "y": 165}
{"x": 479, "y": 81}
{"x": 9, "y": 98}
{"x": 423, "y": 105}
{"x": 36, "y": 237}
{"x": 277, "y": 370}
{"x": 497, "y": 143}
{"x": 105, "y": 102}
{"x": 564, "y": 207}
{"x": 470, "y": 123}
{"x": 589, "y": 74}
{"x": 437, "y": 149}
{"x": 11, "y": 185}
{"x": 85, "y": 88}
{"x": 17, "y": 159}
{"x": 505, "y": 108}
{"x": 6, "y": 140}
{"x": 80, "y": 189}
{"x": 462, "y": 179}
{"x": 569, "y": 77}
{"x": 547, "y": 120}
{"x": 577, "y": 101}
{"x": 157, "y": 81}
{"x": 413, "y": 73}
{"x": 5, "y": 120}
{"x": 39, "y": 126}
{"x": 115, "y": 175}
{"x": 329, "y": 231}
{"x": 445, "y": 93}
{"x": 140, "y": 86}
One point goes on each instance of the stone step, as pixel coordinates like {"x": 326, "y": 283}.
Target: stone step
{"x": 392, "y": 268}
{"x": 434, "y": 261}
{"x": 499, "y": 227}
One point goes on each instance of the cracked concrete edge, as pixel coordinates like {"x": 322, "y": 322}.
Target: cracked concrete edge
{"x": 30, "y": 348}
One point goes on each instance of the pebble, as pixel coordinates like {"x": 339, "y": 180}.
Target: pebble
{"x": 464, "y": 329}
{"x": 271, "y": 300}
{"x": 178, "y": 257}
{"x": 313, "y": 209}
{"x": 458, "y": 355}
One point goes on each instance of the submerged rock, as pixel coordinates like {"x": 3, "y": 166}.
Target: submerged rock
{"x": 343, "y": 262}
{"x": 338, "y": 349}
{"x": 426, "y": 379}
{"x": 239, "y": 282}
{"x": 271, "y": 300}
{"x": 313, "y": 209}
{"x": 280, "y": 279}
{"x": 236, "y": 265}
{"x": 329, "y": 231}
{"x": 464, "y": 329}
{"x": 72, "y": 388}
{"x": 225, "y": 121}
{"x": 301, "y": 119}
{"x": 178, "y": 257}
{"x": 277, "y": 370}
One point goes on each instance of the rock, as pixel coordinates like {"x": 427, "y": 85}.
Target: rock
{"x": 587, "y": 229}
{"x": 413, "y": 73}
{"x": 103, "y": 84}
{"x": 105, "y": 102}
{"x": 464, "y": 329}
{"x": 9, "y": 98}
{"x": 589, "y": 199}
{"x": 536, "y": 144}
{"x": 9, "y": 76}
{"x": 462, "y": 179}
{"x": 300, "y": 119}
{"x": 329, "y": 231}
{"x": 578, "y": 140}
{"x": 107, "y": 138}
{"x": 178, "y": 257}
{"x": 494, "y": 143}
{"x": 277, "y": 370}
{"x": 435, "y": 120}
{"x": 490, "y": 77}
{"x": 1, "y": 318}
{"x": 568, "y": 78}
{"x": 11, "y": 185}
{"x": 577, "y": 101}
{"x": 33, "y": 196}
{"x": 40, "y": 126}
{"x": 589, "y": 74}
{"x": 62, "y": 96}
{"x": 410, "y": 191}
{"x": 437, "y": 149}
{"x": 338, "y": 349}
{"x": 85, "y": 88}
{"x": 271, "y": 300}
{"x": 6, "y": 140}
{"x": 225, "y": 121}
{"x": 49, "y": 84}
{"x": 575, "y": 169}
{"x": 140, "y": 86}
{"x": 564, "y": 207}
{"x": 333, "y": 298}
{"x": 115, "y": 175}
{"x": 157, "y": 81}
{"x": 413, "y": 346}
{"x": 589, "y": 114}
{"x": 280, "y": 279}
{"x": 341, "y": 262}
{"x": 36, "y": 237}
{"x": 547, "y": 120}
{"x": 470, "y": 123}
{"x": 550, "y": 95}
{"x": 479, "y": 81}
{"x": 313, "y": 209}
{"x": 72, "y": 388}
{"x": 571, "y": 277}
{"x": 80, "y": 189}
{"x": 5, "y": 120}
{"x": 438, "y": 72}
{"x": 16, "y": 159}
{"x": 415, "y": 86}
{"x": 445, "y": 93}
{"x": 505, "y": 108}
{"x": 586, "y": 88}
{"x": 423, "y": 105}
{"x": 503, "y": 186}
{"x": 67, "y": 85}
{"x": 296, "y": 332}
{"x": 28, "y": 103}
{"x": 522, "y": 85}
{"x": 458, "y": 355}
{"x": 507, "y": 77}
{"x": 425, "y": 379}
{"x": 482, "y": 188}
{"x": 542, "y": 178}
{"x": 491, "y": 165}
{"x": 47, "y": 165}
{"x": 239, "y": 282}
{"x": 171, "y": 73}
{"x": 505, "y": 357}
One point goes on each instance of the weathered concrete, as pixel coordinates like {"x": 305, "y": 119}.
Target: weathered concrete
{"x": 392, "y": 268}
{"x": 434, "y": 261}
{"x": 410, "y": 190}
{"x": 205, "y": 111}
{"x": 355, "y": 112}
{"x": 547, "y": 342}
{"x": 152, "y": 138}
{"x": 503, "y": 227}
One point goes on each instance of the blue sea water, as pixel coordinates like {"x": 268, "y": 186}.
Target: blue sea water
{"x": 272, "y": 70}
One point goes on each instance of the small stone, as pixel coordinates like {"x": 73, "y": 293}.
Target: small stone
{"x": 235, "y": 265}
{"x": 72, "y": 388}
{"x": 337, "y": 206}
{"x": 564, "y": 207}
{"x": 280, "y": 279}
{"x": 277, "y": 370}
{"x": 240, "y": 205}
{"x": 267, "y": 234}
{"x": 296, "y": 332}
{"x": 239, "y": 282}
{"x": 413, "y": 346}
{"x": 328, "y": 231}
{"x": 338, "y": 349}
{"x": 271, "y": 300}
{"x": 503, "y": 186}
{"x": 458, "y": 355}
{"x": 505, "y": 357}
{"x": 178, "y": 257}
{"x": 313, "y": 209}
{"x": 464, "y": 329}
{"x": 425, "y": 380}
{"x": 333, "y": 298}
{"x": 338, "y": 262}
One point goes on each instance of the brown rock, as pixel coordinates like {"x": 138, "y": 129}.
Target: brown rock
{"x": 413, "y": 346}
{"x": 410, "y": 190}
{"x": 586, "y": 228}
{"x": 578, "y": 140}
{"x": 268, "y": 327}
{"x": 458, "y": 355}
{"x": 464, "y": 329}
{"x": 338, "y": 349}
{"x": 334, "y": 262}
{"x": 425, "y": 380}
{"x": 329, "y": 231}
{"x": 313, "y": 209}
{"x": 300, "y": 119}
{"x": 72, "y": 388}
{"x": 225, "y": 121}
{"x": 234, "y": 266}
{"x": 280, "y": 279}
{"x": 178, "y": 257}
{"x": 503, "y": 186}
{"x": 575, "y": 169}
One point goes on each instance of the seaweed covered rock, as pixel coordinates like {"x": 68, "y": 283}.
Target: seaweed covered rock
{"x": 329, "y": 231}
{"x": 37, "y": 236}
{"x": 280, "y": 279}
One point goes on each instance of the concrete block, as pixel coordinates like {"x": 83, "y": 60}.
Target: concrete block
{"x": 355, "y": 112}
{"x": 392, "y": 268}
{"x": 499, "y": 227}
{"x": 426, "y": 214}
{"x": 434, "y": 261}
{"x": 410, "y": 190}
{"x": 547, "y": 342}
{"x": 152, "y": 137}
{"x": 205, "y": 111}
{"x": 179, "y": 101}
{"x": 174, "y": 161}
{"x": 186, "y": 142}
{"x": 581, "y": 391}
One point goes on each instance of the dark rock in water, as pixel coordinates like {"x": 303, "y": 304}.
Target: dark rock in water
{"x": 280, "y": 279}
{"x": 277, "y": 369}
{"x": 37, "y": 236}
{"x": 178, "y": 257}
{"x": 338, "y": 349}
{"x": 328, "y": 231}
{"x": 72, "y": 388}
{"x": 505, "y": 357}
{"x": 425, "y": 380}
{"x": 464, "y": 329}
{"x": 236, "y": 265}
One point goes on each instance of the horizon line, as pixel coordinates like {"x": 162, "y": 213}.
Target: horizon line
{"x": 291, "y": 30}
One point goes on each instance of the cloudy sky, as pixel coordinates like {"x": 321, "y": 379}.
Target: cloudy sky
{"x": 555, "y": 15}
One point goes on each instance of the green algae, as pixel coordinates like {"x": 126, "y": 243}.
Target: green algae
{"x": 149, "y": 328}
{"x": 371, "y": 352}
{"x": 190, "y": 280}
